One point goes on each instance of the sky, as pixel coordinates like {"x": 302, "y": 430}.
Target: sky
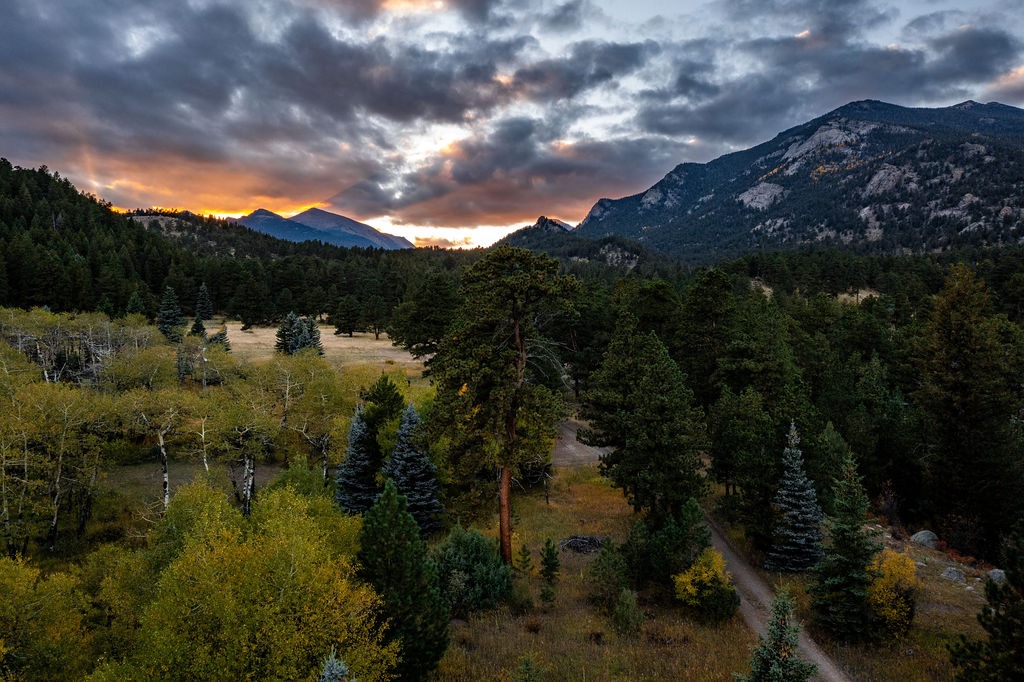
{"x": 452, "y": 122}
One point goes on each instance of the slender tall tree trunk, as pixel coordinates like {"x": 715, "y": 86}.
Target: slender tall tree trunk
{"x": 505, "y": 515}
{"x": 248, "y": 483}
{"x": 163, "y": 465}
{"x": 505, "y": 483}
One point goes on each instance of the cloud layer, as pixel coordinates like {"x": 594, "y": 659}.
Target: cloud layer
{"x": 473, "y": 112}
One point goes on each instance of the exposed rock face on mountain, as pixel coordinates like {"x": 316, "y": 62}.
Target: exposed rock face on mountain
{"x": 318, "y": 225}
{"x": 869, "y": 176}
{"x": 558, "y": 239}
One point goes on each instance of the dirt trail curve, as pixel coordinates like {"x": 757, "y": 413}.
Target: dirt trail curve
{"x": 755, "y": 594}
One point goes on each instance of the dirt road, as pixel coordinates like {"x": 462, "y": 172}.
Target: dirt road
{"x": 755, "y": 594}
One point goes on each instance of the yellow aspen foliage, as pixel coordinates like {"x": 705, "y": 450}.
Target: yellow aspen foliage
{"x": 41, "y": 632}
{"x": 707, "y": 586}
{"x": 893, "y": 590}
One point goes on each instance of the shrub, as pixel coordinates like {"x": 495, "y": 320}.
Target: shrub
{"x": 893, "y": 590}
{"x": 657, "y": 553}
{"x": 627, "y": 616}
{"x": 472, "y": 574}
{"x": 707, "y": 587}
{"x": 607, "y": 576}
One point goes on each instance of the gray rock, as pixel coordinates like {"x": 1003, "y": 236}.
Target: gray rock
{"x": 954, "y": 574}
{"x": 997, "y": 575}
{"x": 925, "y": 537}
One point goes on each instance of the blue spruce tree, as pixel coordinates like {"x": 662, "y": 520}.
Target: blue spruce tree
{"x": 796, "y": 537}
{"x": 415, "y": 475}
{"x": 356, "y": 479}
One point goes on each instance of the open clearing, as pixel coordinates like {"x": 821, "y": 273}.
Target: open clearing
{"x": 257, "y": 343}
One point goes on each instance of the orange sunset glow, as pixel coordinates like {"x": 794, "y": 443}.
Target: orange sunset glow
{"x": 455, "y": 121}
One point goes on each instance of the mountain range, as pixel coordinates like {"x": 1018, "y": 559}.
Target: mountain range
{"x": 319, "y": 225}
{"x": 870, "y": 177}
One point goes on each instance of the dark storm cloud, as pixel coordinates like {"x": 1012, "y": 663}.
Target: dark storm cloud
{"x": 567, "y": 16}
{"x": 309, "y": 96}
{"x": 830, "y": 63}
{"x": 589, "y": 64}
{"x": 973, "y": 53}
{"x": 477, "y": 11}
{"x": 933, "y": 22}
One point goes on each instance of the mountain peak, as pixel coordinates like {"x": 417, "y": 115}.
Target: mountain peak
{"x": 263, "y": 213}
{"x": 869, "y": 175}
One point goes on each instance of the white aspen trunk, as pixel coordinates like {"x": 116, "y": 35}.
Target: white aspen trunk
{"x": 248, "y": 483}
{"x": 202, "y": 438}
{"x": 163, "y": 464}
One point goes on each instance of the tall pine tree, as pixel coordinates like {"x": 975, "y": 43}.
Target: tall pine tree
{"x": 169, "y": 319}
{"x": 204, "y": 305}
{"x": 796, "y": 537}
{"x": 395, "y": 561}
{"x": 840, "y": 592}
{"x": 356, "y": 479}
{"x": 640, "y": 406}
{"x": 415, "y": 475}
{"x": 971, "y": 366}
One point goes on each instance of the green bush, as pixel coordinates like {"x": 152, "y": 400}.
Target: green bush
{"x": 607, "y": 576}
{"x": 472, "y": 574}
{"x": 627, "y": 617}
{"x": 656, "y": 554}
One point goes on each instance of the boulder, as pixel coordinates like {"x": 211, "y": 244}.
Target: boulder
{"x": 997, "y": 575}
{"x": 954, "y": 574}
{"x": 925, "y": 537}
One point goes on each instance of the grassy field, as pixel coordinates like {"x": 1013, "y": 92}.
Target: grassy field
{"x": 572, "y": 640}
{"x": 257, "y": 343}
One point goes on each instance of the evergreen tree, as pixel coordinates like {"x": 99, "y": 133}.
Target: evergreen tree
{"x": 298, "y": 333}
{"x": 971, "y": 367}
{"x": 220, "y": 338}
{"x": 384, "y": 402}
{"x": 524, "y": 563}
{"x": 197, "y": 329}
{"x": 796, "y": 537}
{"x": 333, "y": 669}
{"x": 204, "y": 305}
{"x": 549, "y": 563}
{"x": 395, "y": 561}
{"x": 840, "y": 592}
{"x": 549, "y": 568}
{"x": 169, "y": 319}
{"x": 1001, "y": 656}
{"x": 640, "y": 406}
{"x": 346, "y": 316}
{"x": 415, "y": 475}
{"x": 136, "y": 304}
{"x": 491, "y": 401}
{"x": 356, "y": 480}
{"x": 775, "y": 658}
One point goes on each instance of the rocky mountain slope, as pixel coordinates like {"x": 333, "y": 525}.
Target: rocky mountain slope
{"x": 869, "y": 176}
{"x": 560, "y": 240}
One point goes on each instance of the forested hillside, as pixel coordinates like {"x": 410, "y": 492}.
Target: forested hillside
{"x": 69, "y": 252}
{"x": 792, "y": 395}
